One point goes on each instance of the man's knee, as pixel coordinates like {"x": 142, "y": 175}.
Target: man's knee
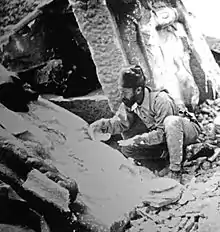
{"x": 171, "y": 121}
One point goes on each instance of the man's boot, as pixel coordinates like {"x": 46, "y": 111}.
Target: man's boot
{"x": 176, "y": 175}
{"x": 167, "y": 172}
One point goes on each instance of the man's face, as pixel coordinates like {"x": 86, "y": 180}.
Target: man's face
{"x": 128, "y": 96}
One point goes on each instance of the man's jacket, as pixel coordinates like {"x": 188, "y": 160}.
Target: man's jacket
{"x": 156, "y": 106}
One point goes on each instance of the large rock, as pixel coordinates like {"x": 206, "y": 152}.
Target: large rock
{"x": 163, "y": 191}
{"x": 91, "y": 107}
{"x": 99, "y": 29}
{"x": 107, "y": 189}
{"x": 48, "y": 190}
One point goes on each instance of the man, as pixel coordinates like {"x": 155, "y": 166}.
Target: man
{"x": 149, "y": 122}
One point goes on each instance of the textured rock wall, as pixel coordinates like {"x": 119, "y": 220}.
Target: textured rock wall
{"x": 99, "y": 29}
{"x": 162, "y": 38}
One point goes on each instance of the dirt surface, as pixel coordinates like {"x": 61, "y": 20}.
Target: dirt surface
{"x": 12, "y": 11}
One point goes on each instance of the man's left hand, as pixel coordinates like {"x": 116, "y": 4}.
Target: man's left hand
{"x": 127, "y": 142}
{"x": 134, "y": 141}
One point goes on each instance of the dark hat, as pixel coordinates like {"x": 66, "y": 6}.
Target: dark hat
{"x": 132, "y": 77}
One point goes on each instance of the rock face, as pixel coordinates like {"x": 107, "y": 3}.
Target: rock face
{"x": 107, "y": 35}
{"x": 162, "y": 38}
{"x": 90, "y": 108}
{"x": 98, "y": 27}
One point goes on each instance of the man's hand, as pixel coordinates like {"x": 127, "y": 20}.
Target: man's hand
{"x": 134, "y": 141}
{"x": 98, "y": 127}
{"x": 127, "y": 142}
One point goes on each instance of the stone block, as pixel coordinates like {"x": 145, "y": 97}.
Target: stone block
{"x": 47, "y": 190}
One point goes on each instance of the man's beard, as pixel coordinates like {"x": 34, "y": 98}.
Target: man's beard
{"x": 129, "y": 102}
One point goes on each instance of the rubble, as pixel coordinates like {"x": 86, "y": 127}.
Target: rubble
{"x": 197, "y": 210}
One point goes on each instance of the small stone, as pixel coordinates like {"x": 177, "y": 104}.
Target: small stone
{"x": 217, "y": 101}
{"x": 149, "y": 226}
{"x": 164, "y": 215}
{"x": 47, "y": 190}
{"x": 163, "y": 191}
{"x": 164, "y": 229}
{"x": 174, "y": 222}
{"x": 214, "y": 165}
{"x": 209, "y": 102}
{"x": 162, "y": 184}
{"x": 205, "y": 122}
{"x": 186, "y": 196}
{"x": 206, "y": 165}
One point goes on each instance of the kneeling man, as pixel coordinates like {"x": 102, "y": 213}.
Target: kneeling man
{"x": 150, "y": 122}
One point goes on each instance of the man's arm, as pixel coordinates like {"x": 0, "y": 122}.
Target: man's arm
{"x": 163, "y": 107}
{"x": 122, "y": 121}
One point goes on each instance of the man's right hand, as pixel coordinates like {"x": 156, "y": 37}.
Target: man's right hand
{"x": 99, "y": 126}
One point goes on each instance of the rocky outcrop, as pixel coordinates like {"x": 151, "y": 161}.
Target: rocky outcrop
{"x": 107, "y": 35}
{"x": 99, "y": 29}
{"x": 162, "y": 37}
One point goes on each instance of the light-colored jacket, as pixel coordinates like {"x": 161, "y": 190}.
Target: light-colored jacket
{"x": 156, "y": 106}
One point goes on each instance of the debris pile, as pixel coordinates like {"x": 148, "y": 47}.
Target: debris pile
{"x": 196, "y": 210}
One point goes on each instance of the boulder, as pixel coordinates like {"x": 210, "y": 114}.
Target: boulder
{"x": 163, "y": 191}
{"x": 107, "y": 192}
{"x": 48, "y": 190}
{"x": 91, "y": 107}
